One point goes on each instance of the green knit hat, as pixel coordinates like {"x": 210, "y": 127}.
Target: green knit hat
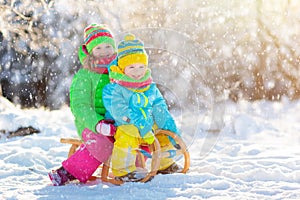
{"x": 95, "y": 34}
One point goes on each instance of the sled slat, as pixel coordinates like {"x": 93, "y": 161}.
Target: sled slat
{"x": 74, "y": 142}
{"x": 71, "y": 141}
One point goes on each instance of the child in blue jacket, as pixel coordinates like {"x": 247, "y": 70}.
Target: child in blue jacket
{"x": 136, "y": 105}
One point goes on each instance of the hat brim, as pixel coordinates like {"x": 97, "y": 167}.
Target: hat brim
{"x": 132, "y": 59}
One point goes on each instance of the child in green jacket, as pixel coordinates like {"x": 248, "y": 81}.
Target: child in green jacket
{"x": 96, "y": 54}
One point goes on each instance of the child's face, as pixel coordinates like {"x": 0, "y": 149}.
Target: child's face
{"x": 103, "y": 51}
{"x": 135, "y": 71}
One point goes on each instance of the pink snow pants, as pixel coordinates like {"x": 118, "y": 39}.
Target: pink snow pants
{"x": 84, "y": 162}
{"x": 81, "y": 164}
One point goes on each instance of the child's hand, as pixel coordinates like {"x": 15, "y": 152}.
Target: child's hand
{"x": 106, "y": 127}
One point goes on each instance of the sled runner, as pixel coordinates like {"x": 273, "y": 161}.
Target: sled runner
{"x": 180, "y": 150}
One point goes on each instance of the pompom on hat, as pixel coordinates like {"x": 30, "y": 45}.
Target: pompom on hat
{"x": 131, "y": 51}
{"x": 95, "y": 34}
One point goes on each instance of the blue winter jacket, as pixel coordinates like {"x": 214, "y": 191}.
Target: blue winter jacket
{"x": 141, "y": 109}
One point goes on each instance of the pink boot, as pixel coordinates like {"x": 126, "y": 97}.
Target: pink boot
{"x": 60, "y": 176}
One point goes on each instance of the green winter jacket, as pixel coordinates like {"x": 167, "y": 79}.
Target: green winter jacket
{"x": 86, "y": 99}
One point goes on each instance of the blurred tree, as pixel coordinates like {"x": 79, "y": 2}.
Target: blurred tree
{"x": 30, "y": 49}
{"x": 39, "y": 51}
{"x": 275, "y": 73}
{"x": 249, "y": 49}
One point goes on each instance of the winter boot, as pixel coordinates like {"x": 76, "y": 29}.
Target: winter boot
{"x": 60, "y": 176}
{"x": 173, "y": 168}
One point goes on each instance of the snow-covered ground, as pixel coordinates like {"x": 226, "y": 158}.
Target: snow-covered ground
{"x": 256, "y": 156}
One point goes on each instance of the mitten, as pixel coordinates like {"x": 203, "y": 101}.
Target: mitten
{"x": 149, "y": 137}
{"x": 106, "y": 127}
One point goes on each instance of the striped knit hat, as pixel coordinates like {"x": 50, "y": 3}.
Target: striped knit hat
{"x": 94, "y": 35}
{"x": 131, "y": 51}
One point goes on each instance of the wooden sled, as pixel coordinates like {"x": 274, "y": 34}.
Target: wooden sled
{"x": 156, "y": 153}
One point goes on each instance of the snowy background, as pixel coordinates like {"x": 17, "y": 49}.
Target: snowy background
{"x": 228, "y": 69}
{"x": 250, "y": 48}
{"x": 255, "y": 156}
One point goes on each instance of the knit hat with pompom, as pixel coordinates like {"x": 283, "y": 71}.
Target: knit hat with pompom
{"x": 95, "y": 34}
{"x": 131, "y": 51}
